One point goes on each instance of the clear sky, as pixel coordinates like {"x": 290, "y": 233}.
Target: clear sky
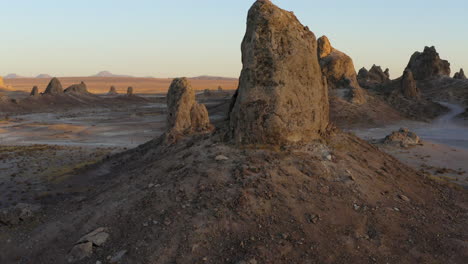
{"x": 167, "y": 38}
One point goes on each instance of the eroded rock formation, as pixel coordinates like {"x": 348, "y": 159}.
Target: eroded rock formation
{"x": 112, "y": 91}
{"x": 54, "y": 87}
{"x": 185, "y": 115}
{"x": 375, "y": 76}
{"x": 2, "y": 83}
{"x": 282, "y": 96}
{"x": 77, "y": 89}
{"x": 409, "y": 88}
{"x": 460, "y": 75}
{"x": 428, "y": 64}
{"x": 130, "y": 91}
{"x": 34, "y": 91}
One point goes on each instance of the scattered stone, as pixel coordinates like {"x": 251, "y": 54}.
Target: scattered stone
{"x": 77, "y": 89}
{"x": 278, "y": 105}
{"x": 428, "y": 64}
{"x": 54, "y": 87}
{"x": 80, "y": 252}
{"x": 221, "y": 158}
{"x": 404, "y": 198}
{"x": 112, "y": 91}
{"x": 185, "y": 115}
{"x": 460, "y": 75}
{"x": 97, "y": 237}
{"x": 34, "y": 91}
{"x": 408, "y": 85}
{"x": 17, "y": 214}
{"x": 130, "y": 91}
{"x": 403, "y": 138}
{"x": 118, "y": 256}
{"x": 150, "y": 185}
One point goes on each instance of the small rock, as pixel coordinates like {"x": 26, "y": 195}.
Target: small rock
{"x": 329, "y": 157}
{"x": 118, "y": 256}
{"x": 80, "y": 252}
{"x": 98, "y": 262}
{"x": 221, "y": 158}
{"x": 97, "y": 237}
{"x": 404, "y": 198}
{"x": 150, "y": 185}
{"x": 356, "y": 207}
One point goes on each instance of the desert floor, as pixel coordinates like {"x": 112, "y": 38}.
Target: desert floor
{"x": 102, "y": 84}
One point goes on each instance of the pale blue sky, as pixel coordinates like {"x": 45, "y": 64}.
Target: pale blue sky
{"x": 188, "y": 38}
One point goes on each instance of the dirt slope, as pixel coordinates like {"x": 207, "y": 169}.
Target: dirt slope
{"x": 336, "y": 201}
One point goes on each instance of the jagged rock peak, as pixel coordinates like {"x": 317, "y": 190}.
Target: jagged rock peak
{"x": 34, "y": 91}
{"x": 54, "y": 87}
{"x": 77, "y": 89}
{"x": 428, "y": 64}
{"x": 282, "y": 96}
{"x": 185, "y": 115}
{"x": 460, "y": 75}
{"x": 409, "y": 87}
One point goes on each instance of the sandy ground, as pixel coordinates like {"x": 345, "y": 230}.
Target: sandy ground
{"x": 103, "y": 84}
{"x": 444, "y": 152}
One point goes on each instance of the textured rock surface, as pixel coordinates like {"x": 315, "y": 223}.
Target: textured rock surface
{"x": 408, "y": 85}
{"x": 185, "y": 115}
{"x": 282, "y": 96}
{"x": 336, "y": 66}
{"x": 428, "y": 64}
{"x": 460, "y": 75}
{"x": 34, "y": 91}
{"x": 130, "y": 91}
{"x": 77, "y": 89}
{"x": 339, "y": 70}
{"x": 54, "y": 87}
{"x": 112, "y": 91}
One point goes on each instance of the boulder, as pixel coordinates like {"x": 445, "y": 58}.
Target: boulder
{"x": 112, "y": 91}
{"x": 403, "y": 138}
{"x": 282, "y": 96}
{"x": 130, "y": 91}
{"x": 409, "y": 88}
{"x": 428, "y": 64}
{"x": 34, "y": 91}
{"x": 54, "y": 87}
{"x": 77, "y": 89}
{"x": 185, "y": 115}
{"x": 460, "y": 75}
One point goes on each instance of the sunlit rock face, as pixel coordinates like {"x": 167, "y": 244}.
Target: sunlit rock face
{"x": 339, "y": 70}
{"x": 282, "y": 96}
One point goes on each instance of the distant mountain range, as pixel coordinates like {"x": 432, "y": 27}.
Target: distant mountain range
{"x": 107, "y": 74}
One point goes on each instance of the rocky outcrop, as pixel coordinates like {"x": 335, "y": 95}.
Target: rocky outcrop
{"x": 460, "y": 75}
{"x": 374, "y": 76}
{"x": 130, "y": 91}
{"x": 403, "y": 138}
{"x": 339, "y": 70}
{"x": 2, "y": 83}
{"x": 112, "y": 91}
{"x": 409, "y": 88}
{"x": 428, "y": 64}
{"x": 54, "y": 87}
{"x": 184, "y": 115}
{"x": 282, "y": 96}
{"x": 34, "y": 91}
{"x": 77, "y": 89}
